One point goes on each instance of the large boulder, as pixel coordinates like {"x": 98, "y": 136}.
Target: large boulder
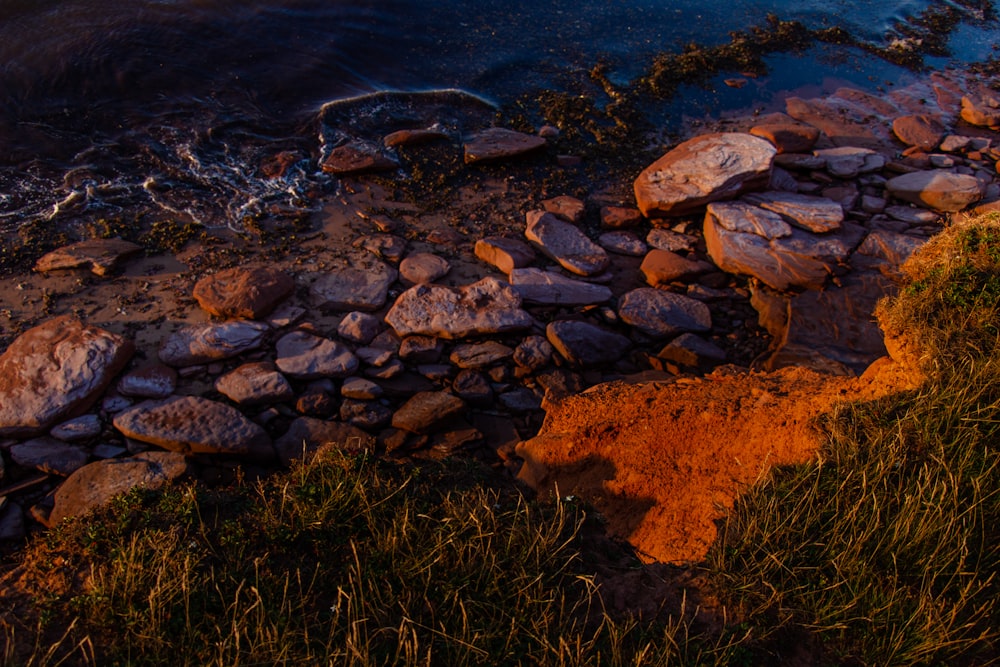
{"x": 485, "y": 307}
{"x": 708, "y": 168}
{"x": 56, "y": 371}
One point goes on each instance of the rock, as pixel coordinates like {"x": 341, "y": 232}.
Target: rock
{"x": 101, "y": 256}
{"x": 356, "y": 282}
{"x": 783, "y": 181}
{"x": 664, "y": 239}
{"x": 661, "y": 267}
{"x": 303, "y": 356}
{"x": 203, "y": 343}
{"x": 480, "y": 355}
{"x": 551, "y": 288}
{"x": 565, "y": 244}
{"x": 983, "y": 111}
{"x": 95, "y": 484}
{"x": 497, "y": 143}
{"x": 616, "y": 217}
{"x": 413, "y": 137}
{"x": 317, "y": 402}
{"x": 423, "y": 267}
{"x": 50, "y": 456}
{"x": 249, "y": 293}
{"x": 472, "y": 387}
{"x": 80, "y": 429}
{"x": 426, "y": 411}
{"x": 389, "y": 247}
{"x": 11, "y": 522}
{"x": 421, "y": 349}
{"x": 56, "y": 371}
{"x": 485, "y": 307}
{"x": 936, "y": 189}
{"x": 359, "y": 327}
{"x": 369, "y": 415}
{"x": 149, "y": 381}
{"x": 569, "y": 209}
{"x": 708, "y": 168}
{"x": 356, "y": 157}
{"x": 504, "y": 253}
{"x": 623, "y": 243}
{"x": 692, "y": 351}
{"x": 307, "y": 435}
{"x": 749, "y": 219}
{"x": 890, "y": 249}
{"x": 787, "y": 137}
{"x": 360, "y": 389}
{"x": 912, "y": 216}
{"x": 843, "y": 124}
{"x": 533, "y": 354}
{"x": 255, "y": 383}
{"x": 584, "y": 344}
{"x": 849, "y": 161}
{"x": 194, "y": 425}
{"x": 660, "y": 313}
{"x": 813, "y": 214}
{"x": 924, "y": 132}
{"x": 799, "y": 161}
{"x": 520, "y": 399}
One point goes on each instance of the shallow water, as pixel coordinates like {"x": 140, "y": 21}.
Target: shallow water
{"x": 169, "y": 104}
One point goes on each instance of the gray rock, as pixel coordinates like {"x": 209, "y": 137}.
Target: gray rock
{"x": 11, "y": 521}
{"x": 497, "y": 143}
{"x": 54, "y": 372}
{"x": 890, "y": 249}
{"x": 203, "y": 343}
{"x": 303, "y": 356}
{"x": 194, "y": 425}
{"x": 82, "y": 428}
{"x": 48, "y": 455}
{"x": 660, "y": 313}
{"x": 357, "y": 282}
{"x": 472, "y": 387}
{"x": 534, "y": 353}
{"x": 426, "y": 411}
{"x": 849, "y": 161}
{"x": 423, "y": 267}
{"x": 623, "y": 243}
{"x": 308, "y": 435}
{"x": 692, "y": 350}
{"x": 486, "y": 307}
{"x": 387, "y": 246}
{"x": 584, "y": 344}
{"x": 480, "y": 355}
{"x": 149, "y": 381}
{"x": 565, "y": 244}
{"x": 255, "y": 383}
{"x": 912, "y": 216}
{"x": 813, "y": 214}
{"x": 551, "y": 288}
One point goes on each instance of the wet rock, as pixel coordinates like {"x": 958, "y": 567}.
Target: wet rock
{"x": 568, "y": 208}
{"x": 426, "y": 411}
{"x": 983, "y": 111}
{"x": 56, "y": 371}
{"x": 924, "y": 132}
{"x": 813, "y": 214}
{"x": 497, "y": 143}
{"x": 937, "y": 189}
{"x": 423, "y": 267}
{"x": 50, "y": 456}
{"x": 660, "y": 313}
{"x": 254, "y": 384}
{"x": 249, "y": 293}
{"x": 194, "y": 425}
{"x": 307, "y": 435}
{"x": 671, "y": 241}
{"x": 565, "y": 244}
{"x": 203, "y": 343}
{"x": 551, "y": 288}
{"x": 533, "y": 354}
{"x": 843, "y": 124}
{"x": 585, "y": 344}
{"x": 95, "y": 484}
{"x": 661, "y": 267}
{"x": 479, "y": 355}
{"x": 708, "y": 168}
{"x": 356, "y": 282}
{"x": 369, "y": 415}
{"x": 303, "y": 356}
{"x": 617, "y": 217}
{"x": 360, "y": 389}
{"x": 101, "y": 256}
{"x": 485, "y": 307}
{"x": 356, "y": 157}
{"x": 149, "y": 381}
{"x": 80, "y": 429}
{"x": 504, "y": 253}
{"x": 787, "y": 137}
{"x": 850, "y": 161}
{"x": 359, "y": 327}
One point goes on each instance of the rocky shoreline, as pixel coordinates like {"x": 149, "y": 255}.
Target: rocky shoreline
{"x": 411, "y": 333}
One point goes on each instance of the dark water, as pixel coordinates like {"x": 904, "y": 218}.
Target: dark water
{"x": 170, "y": 104}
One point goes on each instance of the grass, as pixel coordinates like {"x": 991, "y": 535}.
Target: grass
{"x": 883, "y": 551}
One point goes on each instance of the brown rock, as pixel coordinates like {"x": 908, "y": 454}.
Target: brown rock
{"x": 584, "y": 344}
{"x": 661, "y": 267}
{"x": 413, "y": 137}
{"x": 568, "y": 208}
{"x": 486, "y": 307}
{"x": 497, "y": 143}
{"x": 708, "y": 168}
{"x": 616, "y": 217}
{"x": 814, "y": 214}
{"x": 787, "y": 137}
{"x": 565, "y": 243}
{"x": 924, "y": 132}
{"x": 844, "y": 124}
{"x": 149, "y": 381}
{"x": 427, "y": 410}
{"x": 249, "y": 293}
{"x": 358, "y": 281}
{"x": 983, "y": 111}
{"x": 504, "y": 253}
{"x": 660, "y": 313}
{"x": 50, "y": 456}
{"x": 202, "y": 343}
{"x": 101, "y": 256}
{"x": 423, "y": 267}
{"x": 355, "y": 158}
{"x": 55, "y": 371}
{"x": 255, "y": 383}
{"x": 551, "y": 288}
{"x": 937, "y": 189}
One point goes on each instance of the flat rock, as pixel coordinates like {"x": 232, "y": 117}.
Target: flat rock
{"x": 565, "y": 244}
{"x": 661, "y": 267}
{"x": 50, "y": 456}
{"x": 255, "y": 383}
{"x": 480, "y": 355}
{"x": 937, "y": 189}
{"x": 56, "y": 371}
{"x": 660, "y": 313}
{"x": 665, "y": 239}
{"x": 361, "y": 389}
{"x": 248, "y": 293}
{"x": 203, "y": 343}
{"x": 153, "y": 380}
{"x": 623, "y": 243}
{"x": 303, "y": 356}
{"x": 356, "y": 282}
{"x": 850, "y": 161}
{"x": 708, "y": 168}
{"x": 427, "y": 410}
{"x": 307, "y": 435}
{"x": 356, "y": 157}
{"x": 482, "y": 308}
{"x": 923, "y": 131}
{"x": 746, "y": 218}
{"x": 813, "y": 214}
{"x": 551, "y": 288}
{"x": 423, "y": 267}
{"x": 787, "y": 137}
{"x": 79, "y": 429}
{"x": 842, "y": 123}
{"x": 95, "y": 484}
{"x": 584, "y": 344}
{"x": 101, "y": 256}
{"x": 194, "y": 425}
{"x": 912, "y": 216}
{"x": 568, "y": 208}
{"x": 497, "y": 143}
{"x": 504, "y": 253}
{"x": 413, "y": 137}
